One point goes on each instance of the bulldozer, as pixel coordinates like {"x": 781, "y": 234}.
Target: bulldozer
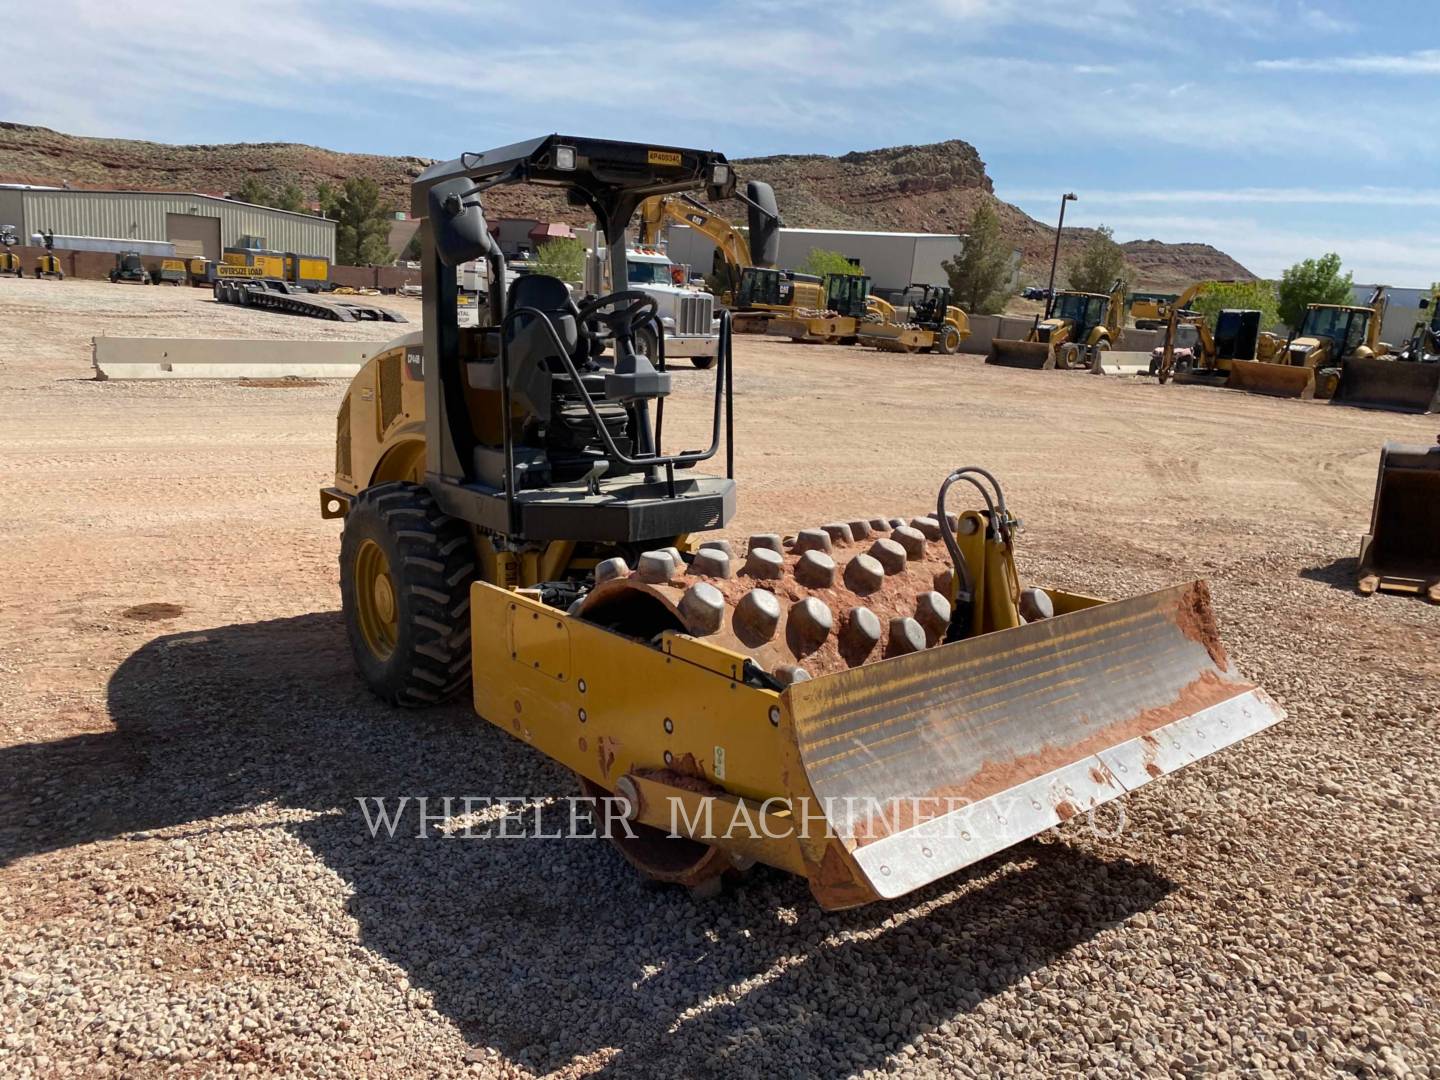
{"x": 871, "y": 704}
{"x": 753, "y": 296}
{"x": 930, "y": 324}
{"x": 1401, "y": 552}
{"x": 844, "y": 304}
{"x": 1078, "y": 329}
{"x": 1407, "y": 380}
{"x": 1309, "y": 365}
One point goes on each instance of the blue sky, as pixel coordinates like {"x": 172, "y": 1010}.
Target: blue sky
{"x": 1274, "y": 129}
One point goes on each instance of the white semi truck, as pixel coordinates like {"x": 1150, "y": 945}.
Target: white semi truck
{"x": 687, "y": 313}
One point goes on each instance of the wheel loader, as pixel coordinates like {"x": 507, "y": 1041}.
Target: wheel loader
{"x": 1401, "y": 552}
{"x": 1078, "y": 329}
{"x": 930, "y": 323}
{"x": 871, "y": 704}
{"x": 1309, "y": 365}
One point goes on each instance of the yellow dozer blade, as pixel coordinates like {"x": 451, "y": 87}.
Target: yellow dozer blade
{"x": 1401, "y": 553}
{"x": 929, "y": 762}
{"x": 1277, "y": 380}
{"x": 1379, "y": 382}
{"x": 1008, "y": 352}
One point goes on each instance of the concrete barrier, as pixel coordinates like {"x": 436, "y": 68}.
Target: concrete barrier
{"x": 1119, "y": 362}
{"x": 228, "y": 358}
{"x": 986, "y": 328}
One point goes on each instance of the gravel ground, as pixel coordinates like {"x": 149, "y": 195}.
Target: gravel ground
{"x": 187, "y": 886}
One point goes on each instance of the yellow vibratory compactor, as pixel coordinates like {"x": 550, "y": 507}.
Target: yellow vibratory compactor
{"x": 871, "y": 704}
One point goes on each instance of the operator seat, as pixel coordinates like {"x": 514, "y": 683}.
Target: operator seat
{"x": 564, "y": 426}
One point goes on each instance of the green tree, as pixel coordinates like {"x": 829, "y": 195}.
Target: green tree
{"x": 563, "y": 257}
{"x": 1314, "y": 281}
{"x": 289, "y": 196}
{"x": 362, "y": 220}
{"x": 252, "y": 190}
{"x": 1246, "y": 295}
{"x": 983, "y": 274}
{"x": 820, "y": 262}
{"x": 1098, "y": 263}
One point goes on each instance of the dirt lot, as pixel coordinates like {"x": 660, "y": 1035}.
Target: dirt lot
{"x": 186, "y": 884}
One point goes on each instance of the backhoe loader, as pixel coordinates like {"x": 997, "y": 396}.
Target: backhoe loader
{"x": 737, "y": 254}
{"x": 1309, "y": 365}
{"x": 871, "y": 704}
{"x": 1078, "y": 329}
{"x": 930, "y": 323}
{"x": 1401, "y": 552}
{"x": 1407, "y": 380}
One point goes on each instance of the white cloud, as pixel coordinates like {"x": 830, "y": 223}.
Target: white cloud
{"x": 1363, "y": 196}
{"x": 1421, "y": 62}
{"x": 1323, "y": 21}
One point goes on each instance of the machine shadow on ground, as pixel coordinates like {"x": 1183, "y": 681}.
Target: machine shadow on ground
{"x": 543, "y": 950}
{"x": 1338, "y": 574}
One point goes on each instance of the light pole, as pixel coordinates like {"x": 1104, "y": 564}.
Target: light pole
{"x": 1069, "y": 196}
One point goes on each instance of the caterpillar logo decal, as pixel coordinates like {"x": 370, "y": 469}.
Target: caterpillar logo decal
{"x": 663, "y": 157}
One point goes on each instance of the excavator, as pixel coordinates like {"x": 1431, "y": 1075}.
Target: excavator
{"x": 1309, "y": 364}
{"x": 871, "y": 704}
{"x": 1077, "y": 330}
{"x": 1407, "y": 380}
{"x": 1237, "y": 336}
{"x": 931, "y": 322}
{"x": 738, "y": 257}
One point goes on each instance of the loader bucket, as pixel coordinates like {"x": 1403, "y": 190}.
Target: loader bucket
{"x": 1377, "y": 382}
{"x": 1277, "y": 380}
{"x": 1020, "y": 354}
{"x": 1401, "y": 553}
{"x": 931, "y": 761}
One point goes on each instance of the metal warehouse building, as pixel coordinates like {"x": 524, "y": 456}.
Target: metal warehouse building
{"x": 892, "y": 259}
{"x": 195, "y": 224}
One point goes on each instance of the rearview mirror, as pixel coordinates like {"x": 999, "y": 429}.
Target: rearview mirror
{"x": 458, "y": 224}
{"x": 764, "y": 222}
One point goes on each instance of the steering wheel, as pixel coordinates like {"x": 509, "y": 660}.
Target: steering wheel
{"x": 632, "y": 308}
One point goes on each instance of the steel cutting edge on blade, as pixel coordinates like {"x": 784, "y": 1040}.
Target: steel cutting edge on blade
{"x": 929, "y": 762}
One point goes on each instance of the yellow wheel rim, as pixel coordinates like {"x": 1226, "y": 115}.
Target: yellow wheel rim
{"x": 375, "y": 603}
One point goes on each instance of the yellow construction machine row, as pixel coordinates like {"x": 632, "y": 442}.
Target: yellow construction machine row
{"x": 871, "y": 704}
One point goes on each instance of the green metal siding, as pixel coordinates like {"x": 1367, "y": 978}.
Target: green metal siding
{"x": 141, "y": 215}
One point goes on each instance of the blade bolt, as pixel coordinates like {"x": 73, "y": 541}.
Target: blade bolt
{"x": 775, "y": 715}
{"x": 669, "y": 726}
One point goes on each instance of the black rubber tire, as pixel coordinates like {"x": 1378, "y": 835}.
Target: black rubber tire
{"x": 702, "y": 362}
{"x": 947, "y": 340}
{"x": 432, "y": 564}
{"x": 646, "y": 345}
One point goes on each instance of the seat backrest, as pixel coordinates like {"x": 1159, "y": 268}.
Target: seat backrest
{"x": 550, "y": 295}
{"x": 540, "y": 291}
